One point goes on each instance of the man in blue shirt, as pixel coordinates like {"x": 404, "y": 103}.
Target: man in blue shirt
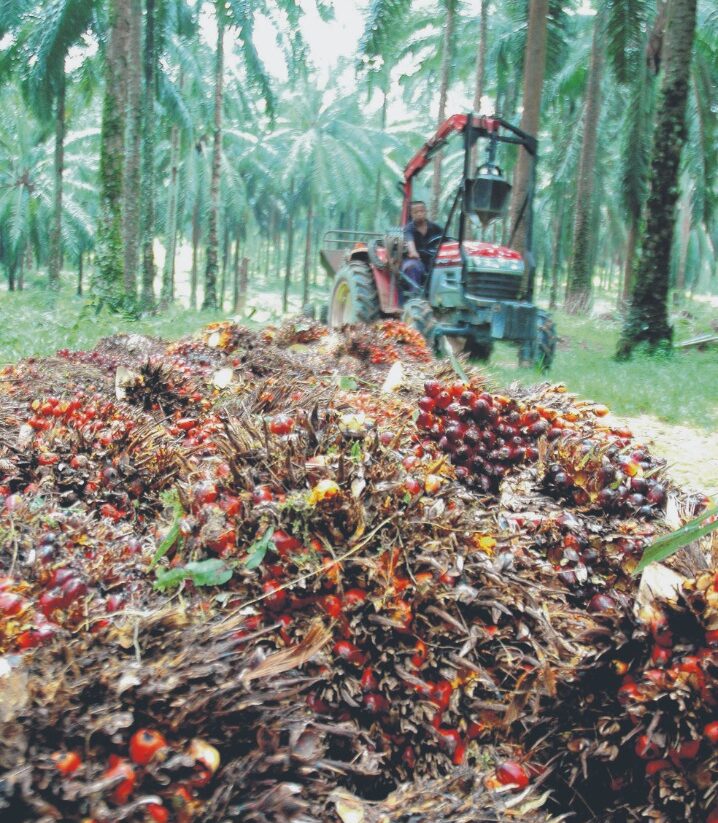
{"x": 418, "y": 234}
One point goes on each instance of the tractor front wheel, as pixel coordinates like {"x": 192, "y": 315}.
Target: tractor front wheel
{"x": 354, "y": 297}
{"x": 546, "y": 341}
{"x": 478, "y": 349}
{"x": 417, "y": 313}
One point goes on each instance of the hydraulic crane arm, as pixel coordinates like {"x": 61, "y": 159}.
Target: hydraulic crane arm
{"x": 457, "y": 124}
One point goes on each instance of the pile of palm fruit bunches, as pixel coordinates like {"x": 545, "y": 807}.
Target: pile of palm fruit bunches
{"x": 301, "y": 575}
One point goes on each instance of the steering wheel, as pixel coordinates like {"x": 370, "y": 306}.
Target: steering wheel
{"x": 435, "y": 241}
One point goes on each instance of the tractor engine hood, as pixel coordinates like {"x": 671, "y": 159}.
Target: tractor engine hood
{"x": 480, "y": 256}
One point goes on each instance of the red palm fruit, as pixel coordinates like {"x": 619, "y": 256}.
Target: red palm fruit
{"x": 354, "y": 597}
{"x": 11, "y": 604}
{"x": 121, "y": 768}
{"x": 661, "y": 656}
{"x": 710, "y": 732}
{"x": 369, "y": 683}
{"x": 656, "y": 494}
{"x": 67, "y": 762}
{"x": 628, "y": 690}
{"x": 655, "y": 766}
{"x": 443, "y": 401}
{"x": 36, "y": 637}
{"x": 285, "y": 543}
{"x": 412, "y": 485}
{"x": 425, "y": 420}
{"x": 686, "y": 751}
{"x": 601, "y": 603}
{"x": 480, "y": 410}
{"x": 376, "y": 703}
{"x": 281, "y": 424}
{"x": 144, "y": 744}
{"x": 73, "y": 589}
{"x": 50, "y": 601}
{"x": 317, "y": 705}
{"x": 349, "y": 652}
{"x": 262, "y": 494}
{"x": 512, "y": 773}
{"x": 646, "y": 748}
{"x": 426, "y": 404}
{"x": 432, "y": 388}
{"x": 441, "y": 694}
{"x": 332, "y": 605}
{"x": 158, "y": 812}
{"x": 276, "y": 597}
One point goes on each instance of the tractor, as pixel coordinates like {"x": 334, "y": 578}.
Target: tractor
{"x": 474, "y": 292}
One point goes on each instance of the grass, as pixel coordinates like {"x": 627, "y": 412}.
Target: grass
{"x": 38, "y": 323}
{"x": 678, "y": 389}
{"x": 681, "y": 388}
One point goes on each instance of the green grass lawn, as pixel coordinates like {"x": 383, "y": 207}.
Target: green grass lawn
{"x": 682, "y": 388}
{"x": 679, "y": 388}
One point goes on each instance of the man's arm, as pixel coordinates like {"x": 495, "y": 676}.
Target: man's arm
{"x": 410, "y": 244}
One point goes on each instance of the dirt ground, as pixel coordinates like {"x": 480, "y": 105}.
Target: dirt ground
{"x": 692, "y": 454}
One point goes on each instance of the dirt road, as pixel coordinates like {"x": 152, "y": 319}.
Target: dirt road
{"x": 692, "y": 454}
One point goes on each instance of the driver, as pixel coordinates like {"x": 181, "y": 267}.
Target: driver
{"x": 418, "y": 234}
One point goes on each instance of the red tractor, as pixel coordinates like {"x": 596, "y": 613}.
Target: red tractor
{"x": 474, "y": 292}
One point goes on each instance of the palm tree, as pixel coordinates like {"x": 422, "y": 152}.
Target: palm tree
{"x": 534, "y": 69}
{"x": 43, "y": 33}
{"x": 132, "y": 173}
{"x": 109, "y": 283}
{"x": 446, "y": 60}
{"x": 579, "y": 288}
{"x": 647, "y": 319}
{"x": 148, "y": 157}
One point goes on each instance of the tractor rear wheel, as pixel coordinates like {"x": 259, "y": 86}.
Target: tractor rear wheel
{"x": 417, "y": 313}
{"x": 354, "y": 298}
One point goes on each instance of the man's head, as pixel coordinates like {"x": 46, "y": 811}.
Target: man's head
{"x": 417, "y": 210}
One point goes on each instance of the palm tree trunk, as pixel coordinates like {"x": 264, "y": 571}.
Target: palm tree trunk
{"x": 131, "y": 193}
{"x": 647, "y": 319}
{"x": 80, "y": 267}
{"x": 109, "y": 282}
{"x": 307, "y": 252}
{"x": 210, "y": 275}
{"x": 534, "y": 68}
{"x": 377, "y": 186}
{"x": 579, "y": 291}
{"x": 479, "y": 86}
{"x": 167, "y": 295}
{"x": 481, "y": 55}
{"x": 631, "y": 242}
{"x": 684, "y": 238}
{"x": 59, "y": 162}
{"x": 235, "y": 276}
{"x": 446, "y": 56}
{"x": 556, "y": 261}
{"x": 290, "y": 243}
{"x": 225, "y": 261}
{"x": 148, "y": 161}
{"x": 193, "y": 278}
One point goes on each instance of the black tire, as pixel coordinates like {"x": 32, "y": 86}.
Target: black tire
{"x": 546, "y": 338}
{"x": 354, "y": 298}
{"x": 418, "y": 314}
{"x": 479, "y": 349}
